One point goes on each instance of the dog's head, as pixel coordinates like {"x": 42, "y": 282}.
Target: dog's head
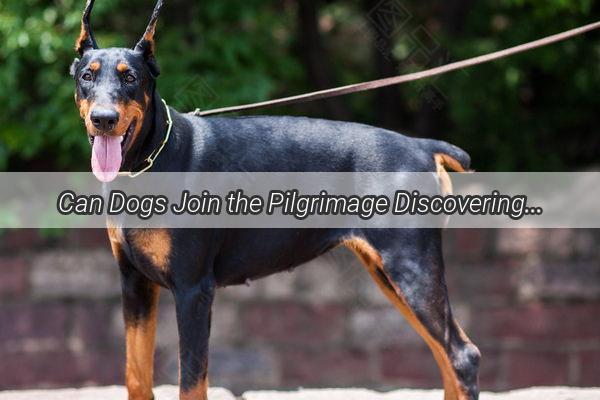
{"x": 114, "y": 88}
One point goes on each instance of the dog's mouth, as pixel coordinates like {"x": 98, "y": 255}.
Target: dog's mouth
{"x": 108, "y": 152}
{"x": 126, "y": 137}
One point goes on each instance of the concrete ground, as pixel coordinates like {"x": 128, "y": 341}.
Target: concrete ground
{"x": 170, "y": 393}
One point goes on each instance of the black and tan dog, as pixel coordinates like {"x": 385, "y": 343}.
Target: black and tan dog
{"x": 126, "y": 122}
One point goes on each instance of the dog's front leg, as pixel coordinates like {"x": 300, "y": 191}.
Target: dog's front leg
{"x": 193, "y": 305}
{"x": 140, "y": 300}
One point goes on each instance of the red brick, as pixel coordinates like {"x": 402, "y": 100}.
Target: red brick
{"x": 487, "y": 283}
{"x": 470, "y": 244}
{"x": 29, "y": 370}
{"x": 59, "y": 368}
{"x": 540, "y": 322}
{"x": 13, "y": 277}
{"x": 21, "y": 239}
{"x": 582, "y": 244}
{"x": 490, "y": 369}
{"x": 537, "y": 368}
{"x": 325, "y": 367}
{"x": 294, "y": 323}
{"x": 518, "y": 242}
{"x": 92, "y": 324}
{"x": 89, "y": 238}
{"x": 411, "y": 366}
{"x": 415, "y": 367}
{"x": 33, "y": 321}
{"x": 99, "y": 367}
{"x": 589, "y": 368}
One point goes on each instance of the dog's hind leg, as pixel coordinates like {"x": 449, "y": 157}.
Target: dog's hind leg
{"x": 408, "y": 267}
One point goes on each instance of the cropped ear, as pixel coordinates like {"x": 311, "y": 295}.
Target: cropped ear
{"x": 146, "y": 44}
{"x": 73, "y": 67}
{"x": 86, "y": 40}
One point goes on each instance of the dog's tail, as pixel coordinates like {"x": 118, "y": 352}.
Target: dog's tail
{"x": 447, "y": 156}
{"x": 451, "y": 156}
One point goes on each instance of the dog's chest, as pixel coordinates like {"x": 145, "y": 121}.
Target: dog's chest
{"x": 149, "y": 249}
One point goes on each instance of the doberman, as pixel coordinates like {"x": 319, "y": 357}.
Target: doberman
{"x": 126, "y": 120}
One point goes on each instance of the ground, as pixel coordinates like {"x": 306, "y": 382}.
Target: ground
{"x": 170, "y": 393}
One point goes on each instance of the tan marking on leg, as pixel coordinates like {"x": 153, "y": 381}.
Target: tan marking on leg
{"x": 155, "y": 244}
{"x": 115, "y": 236}
{"x": 367, "y": 254}
{"x": 372, "y": 260}
{"x": 140, "y": 338}
{"x": 198, "y": 392}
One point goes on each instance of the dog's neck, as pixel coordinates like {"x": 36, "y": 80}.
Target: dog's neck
{"x": 150, "y": 137}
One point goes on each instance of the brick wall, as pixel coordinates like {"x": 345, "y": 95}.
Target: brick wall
{"x": 530, "y": 300}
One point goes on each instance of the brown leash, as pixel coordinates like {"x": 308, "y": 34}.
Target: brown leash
{"x": 360, "y": 87}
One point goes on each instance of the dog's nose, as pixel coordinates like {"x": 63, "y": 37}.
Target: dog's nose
{"x": 104, "y": 119}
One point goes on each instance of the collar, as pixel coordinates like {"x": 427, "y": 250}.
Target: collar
{"x": 150, "y": 159}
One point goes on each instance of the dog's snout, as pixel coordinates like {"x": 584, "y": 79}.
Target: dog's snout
{"x": 104, "y": 119}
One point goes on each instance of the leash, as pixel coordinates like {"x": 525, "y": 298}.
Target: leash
{"x": 150, "y": 159}
{"x": 364, "y": 86}
{"x": 361, "y": 87}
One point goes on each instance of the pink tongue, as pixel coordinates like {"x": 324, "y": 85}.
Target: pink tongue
{"x": 106, "y": 157}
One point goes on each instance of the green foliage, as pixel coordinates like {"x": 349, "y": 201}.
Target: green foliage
{"x": 212, "y": 54}
{"x": 532, "y": 112}
{"x": 35, "y": 45}
{"x": 536, "y": 111}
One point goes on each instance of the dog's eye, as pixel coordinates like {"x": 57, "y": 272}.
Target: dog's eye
{"x": 87, "y": 76}
{"x": 129, "y": 78}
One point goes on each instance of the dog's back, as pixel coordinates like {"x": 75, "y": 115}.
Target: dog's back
{"x": 300, "y": 144}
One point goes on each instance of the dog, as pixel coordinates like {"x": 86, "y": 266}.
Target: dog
{"x": 126, "y": 121}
